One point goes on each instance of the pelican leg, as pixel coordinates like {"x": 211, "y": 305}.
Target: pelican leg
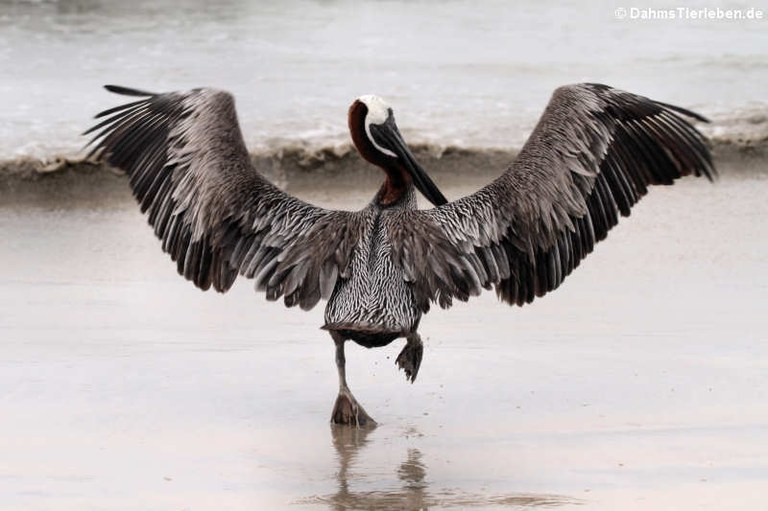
{"x": 409, "y": 360}
{"x": 347, "y": 410}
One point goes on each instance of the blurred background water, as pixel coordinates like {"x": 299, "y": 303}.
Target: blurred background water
{"x": 461, "y": 72}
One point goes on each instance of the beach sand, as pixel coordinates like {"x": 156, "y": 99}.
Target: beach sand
{"x": 640, "y": 384}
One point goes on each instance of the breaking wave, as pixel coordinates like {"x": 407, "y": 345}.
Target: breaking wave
{"x": 739, "y": 144}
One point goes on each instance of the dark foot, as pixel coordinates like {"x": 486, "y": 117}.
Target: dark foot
{"x": 409, "y": 360}
{"x": 348, "y": 411}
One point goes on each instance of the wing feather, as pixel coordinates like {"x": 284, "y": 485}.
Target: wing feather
{"x": 591, "y": 157}
{"x": 215, "y": 214}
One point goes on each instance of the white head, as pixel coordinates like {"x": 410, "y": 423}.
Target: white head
{"x": 375, "y": 135}
{"x": 378, "y": 113}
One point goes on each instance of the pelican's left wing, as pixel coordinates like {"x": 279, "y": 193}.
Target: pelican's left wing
{"x": 216, "y": 215}
{"x": 590, "y": 158}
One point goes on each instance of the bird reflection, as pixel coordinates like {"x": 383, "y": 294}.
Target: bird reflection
{"x": 412, "y": 491}
{"x": 410, "y": 496}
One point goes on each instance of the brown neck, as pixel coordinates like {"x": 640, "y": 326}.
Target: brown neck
{"x": 394, "y": 188}
{"x": 398, "y": 180}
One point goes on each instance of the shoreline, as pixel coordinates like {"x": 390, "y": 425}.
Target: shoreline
{"x": 296, "y": 165}
{"x": 739, "y": 144}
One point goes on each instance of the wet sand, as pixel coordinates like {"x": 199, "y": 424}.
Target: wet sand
{"x": 640, "y": 384}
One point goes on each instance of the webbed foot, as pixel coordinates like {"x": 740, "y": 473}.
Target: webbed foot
{"x": 349, "y": 412}
{"x": 409, "y": 360}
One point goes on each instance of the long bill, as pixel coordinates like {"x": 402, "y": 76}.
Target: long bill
{"x": 390, "y": 138}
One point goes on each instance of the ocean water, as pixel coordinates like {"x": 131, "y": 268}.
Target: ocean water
{"x": 460, "y": 73}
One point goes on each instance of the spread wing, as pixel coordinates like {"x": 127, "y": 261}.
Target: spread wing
{"x": 591, "y": 157}
{"x": 216, "y": 216}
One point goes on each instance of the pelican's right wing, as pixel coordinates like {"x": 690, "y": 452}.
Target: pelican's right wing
{"x": 216, "y": 216}
{"x": 590, "y": 158}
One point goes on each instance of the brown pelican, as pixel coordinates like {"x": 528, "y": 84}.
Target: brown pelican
{"x": 590, "y": 158}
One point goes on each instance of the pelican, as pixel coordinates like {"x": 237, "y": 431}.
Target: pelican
{"x": 591, "y": 157}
